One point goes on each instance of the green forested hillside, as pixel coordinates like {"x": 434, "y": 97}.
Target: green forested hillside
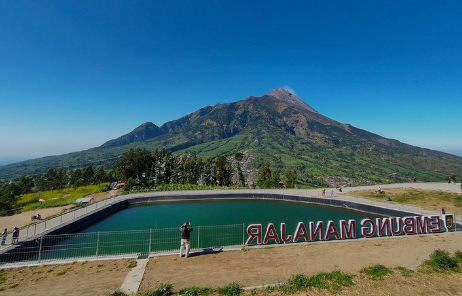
{"x": 278, "y": 127}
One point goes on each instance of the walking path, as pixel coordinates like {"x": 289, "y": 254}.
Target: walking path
{"x": 134, "y": 277}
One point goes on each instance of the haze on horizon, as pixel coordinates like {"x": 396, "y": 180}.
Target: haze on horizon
{"x": 76, "y": 74}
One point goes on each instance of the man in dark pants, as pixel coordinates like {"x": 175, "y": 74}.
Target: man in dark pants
{"x": 185, "y": 229}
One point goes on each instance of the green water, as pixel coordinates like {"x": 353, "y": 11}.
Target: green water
{"x": 173, "y": 214}
{"x": 155, "y": 227}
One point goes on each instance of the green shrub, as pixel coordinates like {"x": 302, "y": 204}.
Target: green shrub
{"x": 441, "y": 260}
{"x": 233, "y": 289}
{"x": 131, "y": 264}
{"x": 332, "y": 281}
{"x": 196, "y": 291}
{"x": 458, "y": 256}
{"x": 405, "y": 271}
{"x": 162, "y": 290}
{"x": 376, "y": 271}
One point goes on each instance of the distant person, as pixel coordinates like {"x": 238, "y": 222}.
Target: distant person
{"x": 340, "y": 189}
{"x": 414, "y": 179}
{"x": 324, "y": 191}
{"x": 443, "y": 211}
{"x": 388, "y": 198}
{"x": 15, "y": 235}
{"x": 185, "y": 229}
{"x": 380, "y": 189}
{"x": 4, "y": 235}
{"x": 332, "y": 192}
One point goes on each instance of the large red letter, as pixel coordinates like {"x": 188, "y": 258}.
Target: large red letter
{"x": 317, "y": 230}
{"x": 409, "y": 225}
{"x": 436, "y": 224}
{"x": 301, "y": 232}
{"x": 347, "y": 230}
{"x": 271, "y": 234}
{"x": 383, "y": 225}
{"x": 331, "y": 230}
{"x": 367, "y": 231}
{"x": 422, "y": 224}
{"x": 283, "y": 234}
{"x": 253, "y": 235}
{"x": 396, "y": 226}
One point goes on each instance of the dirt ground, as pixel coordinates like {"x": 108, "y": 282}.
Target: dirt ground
{"x": 254, "y": 267}
{"x": 79, "y": 278}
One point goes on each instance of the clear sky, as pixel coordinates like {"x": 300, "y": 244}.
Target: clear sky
{"x": 74, "y": 74}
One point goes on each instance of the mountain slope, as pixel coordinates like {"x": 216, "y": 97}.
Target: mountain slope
{"x": 278, "y": 127}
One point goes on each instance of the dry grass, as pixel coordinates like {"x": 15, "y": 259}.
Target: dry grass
{"x": 427, "y": 199}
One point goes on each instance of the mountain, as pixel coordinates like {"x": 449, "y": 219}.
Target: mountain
{"x": 145, "y": 131}
{"x": 279, "y": 127}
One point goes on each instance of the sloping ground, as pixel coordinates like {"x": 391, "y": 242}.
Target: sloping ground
{"x": 264, "y": 266}
{"x": 254, "y": 267}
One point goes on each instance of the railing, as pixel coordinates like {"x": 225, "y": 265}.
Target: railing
{"x": 284, "y": 194}
{"x": 122, "y": 243}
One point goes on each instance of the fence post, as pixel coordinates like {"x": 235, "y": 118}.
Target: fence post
{"x": 97, "y": 245}
{"x": 198, "y": 237}
{"x": 60, "y": 219}
{"x": 40, "y": 249}
{"x": 35, "y": 228}
{"x": 150, "y": 241}
{"x": 243, "y": 234}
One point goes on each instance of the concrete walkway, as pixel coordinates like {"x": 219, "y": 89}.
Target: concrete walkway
{"x": 134, "y": 277}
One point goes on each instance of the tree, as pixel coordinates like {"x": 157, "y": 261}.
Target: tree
{"x": 207, "y": 174}
{"x": 26, "y": 184}
{"x": 291, "y": 177}
{"x": 100, "y": 175}
{"x": 223, "y": 171}
{"x": 87, "y": 175}
{"x": 9, "y": 194}
{"x": 275, "y": 178}
{"x": 241, "y": 179}
{"x": 264, "y": 177}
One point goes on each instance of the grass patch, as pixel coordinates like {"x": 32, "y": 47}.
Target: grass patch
{"x": 233, "y": 289}
{"x": 414, "y": 196}
{"x": 405, "y": 271}
{"x": 196, "y": 291}
{"x": 441, "y": 260}
{"x": 56, "y": 198}
{"x": 162, "y": 290}
{"x": 132, "y": 264}
{"x": 2, "y": 277}
{"x": 458, "y": 256}
{"x": 332, "y": 281}
{"x": 377, "y": 271}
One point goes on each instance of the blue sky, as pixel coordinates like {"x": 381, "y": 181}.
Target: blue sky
{"x": 74, "y": 74}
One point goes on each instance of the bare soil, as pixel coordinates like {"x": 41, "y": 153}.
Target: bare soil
{"x": 79, "y": 278}
{"x": 253, "y": 267}
{"x": 263, "y": 266}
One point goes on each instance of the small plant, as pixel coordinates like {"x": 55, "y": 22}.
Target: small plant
{"x": 294, "y": 284}
{"x": 117, "y": 293}
{"x": 162, "y": 290}
{"x": 376, "y": 271}
{"x": 405, "y": 271}
{"x": 196, "y": 291}
{"x": 458, "y": 256}
{"x": 332, "y": 281}
{"x": 233, "y": 289}
{"x": 132, "y": 264}
{"x": 441, "y": 260}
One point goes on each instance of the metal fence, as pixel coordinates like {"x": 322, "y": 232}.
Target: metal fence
{"x": 300, "y": 195}
{"x": 121, "y": 243}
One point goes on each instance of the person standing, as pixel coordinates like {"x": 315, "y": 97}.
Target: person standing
{"x": 4, "y": 235}
{"x": 185, "y": 229}
{"x": 15, "y": 235}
